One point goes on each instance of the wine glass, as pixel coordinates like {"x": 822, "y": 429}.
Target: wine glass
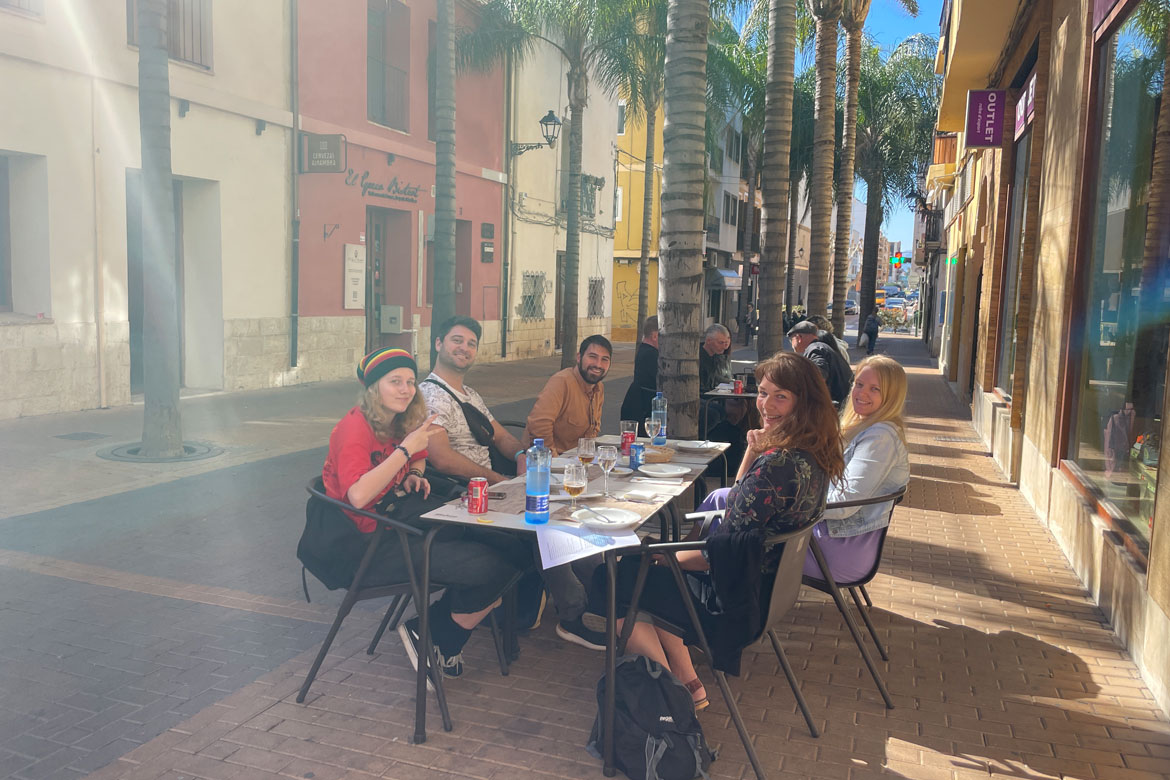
{"x": 607, "y": 458}
{"x": 652, "y": 426}
{"x": 586, "y": 450}
{"x": 575, "y": 482}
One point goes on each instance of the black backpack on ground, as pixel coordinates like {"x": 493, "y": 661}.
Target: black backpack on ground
{"x": 656, "y": 733}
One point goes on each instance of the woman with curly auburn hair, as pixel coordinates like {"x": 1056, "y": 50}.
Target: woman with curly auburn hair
{"x": 780, "y": 487}
{"x": 380, "y": 446}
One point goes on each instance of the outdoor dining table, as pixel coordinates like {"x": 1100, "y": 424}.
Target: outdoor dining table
{"x": 655, "y": 497}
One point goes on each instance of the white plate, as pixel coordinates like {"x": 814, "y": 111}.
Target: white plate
{"x": 611, "y": 518}
{"x": 620, "y": 471}
{"x": 561, "y": 463}
{"x": 663, "y": 470}
{"x": 697, "y": 446}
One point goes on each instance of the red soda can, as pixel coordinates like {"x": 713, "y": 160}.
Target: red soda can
{"x": 477, "y": 496}
{"x": 738, "y": 386}
{"x": 627, "y": 440}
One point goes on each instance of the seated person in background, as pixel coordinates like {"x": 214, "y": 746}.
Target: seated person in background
{"x": 569, "y": 406}
{"x": 456, "y": 448}
{"x": 830, "y": 336}
{"x": 636, "y": 404}
{"x": 780, "y": 487}
{"x": 876, "y": 463}
{"x": 380, "y": 445}
{"x": 714, "y": 364}
{"x": 806, "y": 340}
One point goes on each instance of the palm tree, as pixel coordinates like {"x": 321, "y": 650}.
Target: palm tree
{"x": 775, "y": 170}
{"x": 897, "y": 102}
{"x": 799, "y": 165}
{"x": 444, "y": 131}
{"x": 826, "y": 13}
{"x": 584, "y": 32}
{"x": 680, "y": 244}
{"x": 853, "y": 18}
{"x": 162, "y": 435}
{"x": 636, "y": 68}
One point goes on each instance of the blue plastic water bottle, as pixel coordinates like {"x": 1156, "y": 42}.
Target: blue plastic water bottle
{"x": 658, "y": 412}
{"x": 539, "y": 462}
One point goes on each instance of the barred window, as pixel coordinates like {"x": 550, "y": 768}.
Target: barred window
{"x": 596, "y": 297}
{"x": 188, "y": 29}
{"x": 28, "y": 6}
{"x": 532, "y": 294}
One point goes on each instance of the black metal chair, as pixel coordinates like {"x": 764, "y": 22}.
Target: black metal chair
{"x": 784, "y": 589}
{"x": 401, "y": 595}
{"x": 859, "y": 584}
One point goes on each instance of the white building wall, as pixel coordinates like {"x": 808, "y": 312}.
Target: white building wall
{"x": 70, "y": 131}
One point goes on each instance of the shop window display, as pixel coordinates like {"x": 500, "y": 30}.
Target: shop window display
{"x": 1116, "y": 437}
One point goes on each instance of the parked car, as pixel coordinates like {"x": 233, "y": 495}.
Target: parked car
{"x": 896, "y": 303}
{"x": 851, "y": 306}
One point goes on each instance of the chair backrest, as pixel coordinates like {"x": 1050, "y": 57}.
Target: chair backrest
{"x": 316, "y": 488}
{"x": 895, "y": 498}
{"x": 786, "y": 585}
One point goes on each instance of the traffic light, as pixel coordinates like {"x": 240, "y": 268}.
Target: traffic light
{"x": 896, "y": 260}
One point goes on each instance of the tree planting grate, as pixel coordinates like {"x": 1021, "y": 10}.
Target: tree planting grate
{"x": 192, "y": 450}
{"x": 964, "y": 439}
{"x": 81, "y": 436}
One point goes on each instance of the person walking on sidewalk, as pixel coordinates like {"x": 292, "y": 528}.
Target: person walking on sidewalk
{"x": 381, "y": 445}
{"x": 872, "y": 325}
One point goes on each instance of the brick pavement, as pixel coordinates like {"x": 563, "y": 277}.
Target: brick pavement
{"x": 1001, "y": 666}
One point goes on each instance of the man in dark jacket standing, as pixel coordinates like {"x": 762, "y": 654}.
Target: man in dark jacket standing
{"x": 636, "y": 404}
{"x": 872, "y": 325}
{"x": 815, "y": 344}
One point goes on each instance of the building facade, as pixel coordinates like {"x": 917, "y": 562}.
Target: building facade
{"x": 70, "y": 199}
{"x": 630, "y": 211}
{"x": 1050, "y": 285}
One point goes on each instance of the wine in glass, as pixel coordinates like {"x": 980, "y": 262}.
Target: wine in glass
{"x": 652, "y": 426}
{"x": 607, "y": 458}
{"x": 586, "y": 450}
{"x": 575, "y": 482}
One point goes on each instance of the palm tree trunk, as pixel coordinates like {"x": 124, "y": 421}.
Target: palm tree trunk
{"x": 748, "y": 232}
{"x": 571, "y": 282}
{"x": 793, "y": 223}
{"x": 777, "y": 192}
{"x": 444, "y": 302}
{"x": 845, "y": 181}
{"x": 874, "y": 215}
{"x": 647, "y": 214}
{"x": 162, "y": 435}
{"x": 680, "y": 246}
{"x": 824, "y": 143}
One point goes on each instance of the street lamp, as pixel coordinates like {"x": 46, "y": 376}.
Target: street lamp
{"x": 550, "y": 128}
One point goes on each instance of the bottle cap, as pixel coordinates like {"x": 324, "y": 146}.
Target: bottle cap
{"x": 538, "y": 442}
{"x": 658, "y": 394}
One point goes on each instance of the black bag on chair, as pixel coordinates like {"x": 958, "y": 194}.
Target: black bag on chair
{"x": 656, "y": 733}
{"x": 331, "y": 546}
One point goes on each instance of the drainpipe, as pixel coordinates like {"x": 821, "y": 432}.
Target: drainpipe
{"x": 294, "y": 164}
{"x": 506, "y": 222}
{"x": 99, "y": 281}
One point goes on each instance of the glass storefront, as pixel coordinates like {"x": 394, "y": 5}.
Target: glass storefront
{"x": 1010, "y": 296}
{"x": 1116, "y": 433}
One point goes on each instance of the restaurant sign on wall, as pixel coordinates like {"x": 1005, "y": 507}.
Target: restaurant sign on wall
{"x": 392, "y": 189}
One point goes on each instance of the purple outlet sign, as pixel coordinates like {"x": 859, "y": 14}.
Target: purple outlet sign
{"x": 985, "y": 113}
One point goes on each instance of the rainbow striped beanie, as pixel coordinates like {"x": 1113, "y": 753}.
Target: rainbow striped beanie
{"x": 380, "y": 362}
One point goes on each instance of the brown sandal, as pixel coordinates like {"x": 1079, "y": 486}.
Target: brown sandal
{"x": 693, "y": 687}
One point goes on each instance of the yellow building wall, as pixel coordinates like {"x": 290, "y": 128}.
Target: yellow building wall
{"x": 631, "y": 177}
{"x": 625, "y": 298}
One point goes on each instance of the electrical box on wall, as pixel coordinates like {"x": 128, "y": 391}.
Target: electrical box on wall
{"x": 391, "y": 318}
{"x": 487, "y": 252}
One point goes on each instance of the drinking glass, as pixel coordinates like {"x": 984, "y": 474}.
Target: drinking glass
{"x": 586, "y": 450}
{"x": 652, "y": 426}
{"x": 607, "y": 458}
{"x": 575, "y": 482}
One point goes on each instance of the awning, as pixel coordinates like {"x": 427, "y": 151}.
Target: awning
{"x": 722, "y": 278}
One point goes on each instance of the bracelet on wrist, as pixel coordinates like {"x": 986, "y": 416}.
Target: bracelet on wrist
{"x": 416, "y": 472}
{"x": 518, "y": 454}
{"x": 404, "y": 451}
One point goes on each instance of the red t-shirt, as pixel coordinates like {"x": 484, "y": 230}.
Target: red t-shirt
{"x": 353, "y": 451}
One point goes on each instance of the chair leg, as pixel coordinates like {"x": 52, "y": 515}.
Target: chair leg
{"x": 498, "y": 640}
{"x": 394, "y": 621}
{"x": 783, "y": 659}
{"x": 720, "y": 678}
{"x": 865, "y": 595}
{"x": 869, "y": 624}
{"x": 843, "y": 608}
{"x": 382, "y": 626}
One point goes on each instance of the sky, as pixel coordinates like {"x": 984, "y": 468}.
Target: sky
{"x": 889, "y": 24}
